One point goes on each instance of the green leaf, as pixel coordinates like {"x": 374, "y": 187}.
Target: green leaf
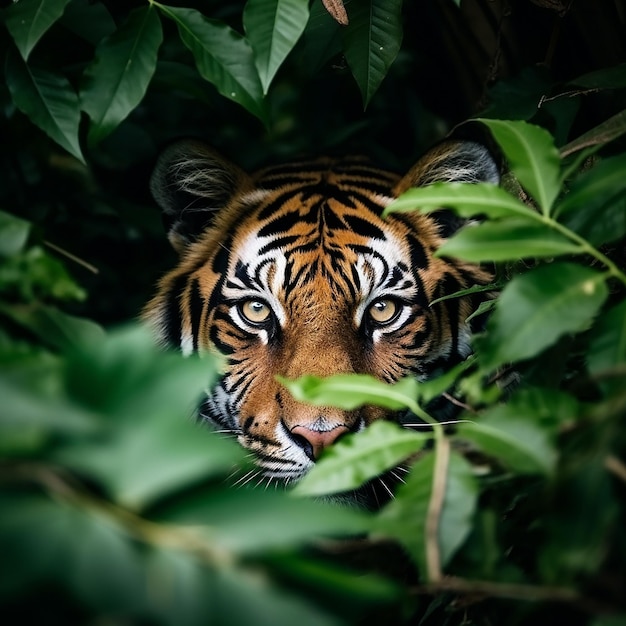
{"x": 225, "y": 514}
{"x": 532, "y": 156}
{"x": 117, "y": 80}
{"x": 467, "y": 200}
{"x": 273, "y": 28}
{"x": 28, "y": 20}
{"x": 48, "y": 100}
{"x": 607, "y": 348}
{"x": 595, "y": 138}
{"x": 222, "y": 55}
{"x": 404, "y": 518}
{"x": 54, "y": 327}
{"x": 88, "y": 20}
{"x": 149, "y": 396}
{"x": 357, "y": 458}
{"x": 537, "y": 308}
{"x": 523, "y": 432}
{"x": 14, "y": 233}
{"x": 506, "y": 240}
{"x": 606, "y": 78}
{"x": 350, "y": 391}
{"x": 372, "y": 41}
{"x": 595, "y": 207}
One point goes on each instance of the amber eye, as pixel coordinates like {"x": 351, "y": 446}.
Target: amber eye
{"x": 384, "y": 311}
{"x": 255, "y": 311}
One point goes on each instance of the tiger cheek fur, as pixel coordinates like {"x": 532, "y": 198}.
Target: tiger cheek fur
{"x": 293, "y": 271}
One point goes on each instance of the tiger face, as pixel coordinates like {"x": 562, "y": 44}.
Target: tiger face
{"x": 293, "y": 271}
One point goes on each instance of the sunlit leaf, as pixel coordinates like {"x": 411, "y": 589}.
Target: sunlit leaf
{"x": 532, "y": 156}
{"x": 537, "y": 308}
{"x": 350, "y": 391}
{"x": 404, "y": 518}
{"x": 273, "y": 27}
{"x": 372, "y": 41}
{"x": 115, "y": 83}
{"x": 222, "y": 55}
{"x": 468, "y": 200}
{"x": 28, "y": 20}
{"x": 355, "y": 459}
{"x": 506, "y": 240}
{"x": 14, "y": 233}
{"x": 48, "y": 100}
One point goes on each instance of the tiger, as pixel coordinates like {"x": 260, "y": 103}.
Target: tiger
{"x": 293, "y": 270}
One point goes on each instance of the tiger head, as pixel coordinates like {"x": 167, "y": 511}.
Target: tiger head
{"x": 293, "y": 271}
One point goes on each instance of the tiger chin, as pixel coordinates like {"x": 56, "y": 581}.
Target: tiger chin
{"x": 292, "y": 271}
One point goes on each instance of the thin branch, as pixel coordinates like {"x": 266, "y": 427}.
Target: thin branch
{"x": 72, "y": 257}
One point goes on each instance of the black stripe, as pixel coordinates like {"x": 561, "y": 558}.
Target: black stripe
{"x": 173, "y": 316}
{"x": 196, "y": 305}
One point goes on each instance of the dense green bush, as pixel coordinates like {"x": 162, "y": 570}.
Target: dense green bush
{"x": 116, "y": 509}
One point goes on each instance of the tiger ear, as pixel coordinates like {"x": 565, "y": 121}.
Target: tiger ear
{"x": 191, "y": 182}
{"x": 452, "y": 161}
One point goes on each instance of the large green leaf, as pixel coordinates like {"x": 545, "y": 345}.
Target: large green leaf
{"x": 225, "y": 514}
{"x": 506, "y": 240}
{"x": 117, "y": 80}
{"x": 404, "y": 518}
{"x": 350, "y": 391}
{"x": 372, "y": 41}
{"x": 532, "y": 156}
{"x": 467, "y": 199}
{"x": 273, "y": 28}
{"x": 357, "y": 458}
{"x": 537, "y": 308}
{"x": 222, "y": 55}
{"x": 516, "y": 441}
{"x": 48, "y": 100}
{"x": 28, "y": 20}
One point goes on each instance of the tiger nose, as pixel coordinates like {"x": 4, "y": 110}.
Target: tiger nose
{"x": 313, "y": 441}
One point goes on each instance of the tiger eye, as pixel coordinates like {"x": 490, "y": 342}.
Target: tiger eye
{"x": 255, "y": 311}
{"x": 383, "y": 311}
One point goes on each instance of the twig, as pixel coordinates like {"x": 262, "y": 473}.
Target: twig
{"x": 72, "y": 257}
{"x": 616, "y": 467}
{"x": 435, "y": 505}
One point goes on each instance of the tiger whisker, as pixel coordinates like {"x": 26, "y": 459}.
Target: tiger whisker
{"x": 397, "y": 476}
{"x": 422, "y": 425}
{"x": 384, "y": 484}
{"x": 246, "y": 478}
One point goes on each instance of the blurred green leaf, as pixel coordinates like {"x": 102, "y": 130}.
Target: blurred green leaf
{"x": 357, "y": 458}
{"x": 150, "y": 396}
{"x": 605, "y": 78}
{"x": 595, "y": 206}
{"x": 35, "y": 274}
{"x": 117, "y": 80}
{"x": 607, "y": 347}
{"x": 14, "y": 233}
{"x": 372, "y": 41}
{"x": 28, "y": 20}
{"x": 537, "y": 308}
{"x": 223, "y": 515}
{"x": 273, "y": 27}
{"x": 222, "y": 55}
{"x": 404, "y": 518}
{"x": 54, "y": 327}
{"x": 88, "y": 20}
{"x": 506, "y": 240}
{"x": 532, "y": 156}
{"x": 48, "y": 100}
{"x": 467, "y": 199}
